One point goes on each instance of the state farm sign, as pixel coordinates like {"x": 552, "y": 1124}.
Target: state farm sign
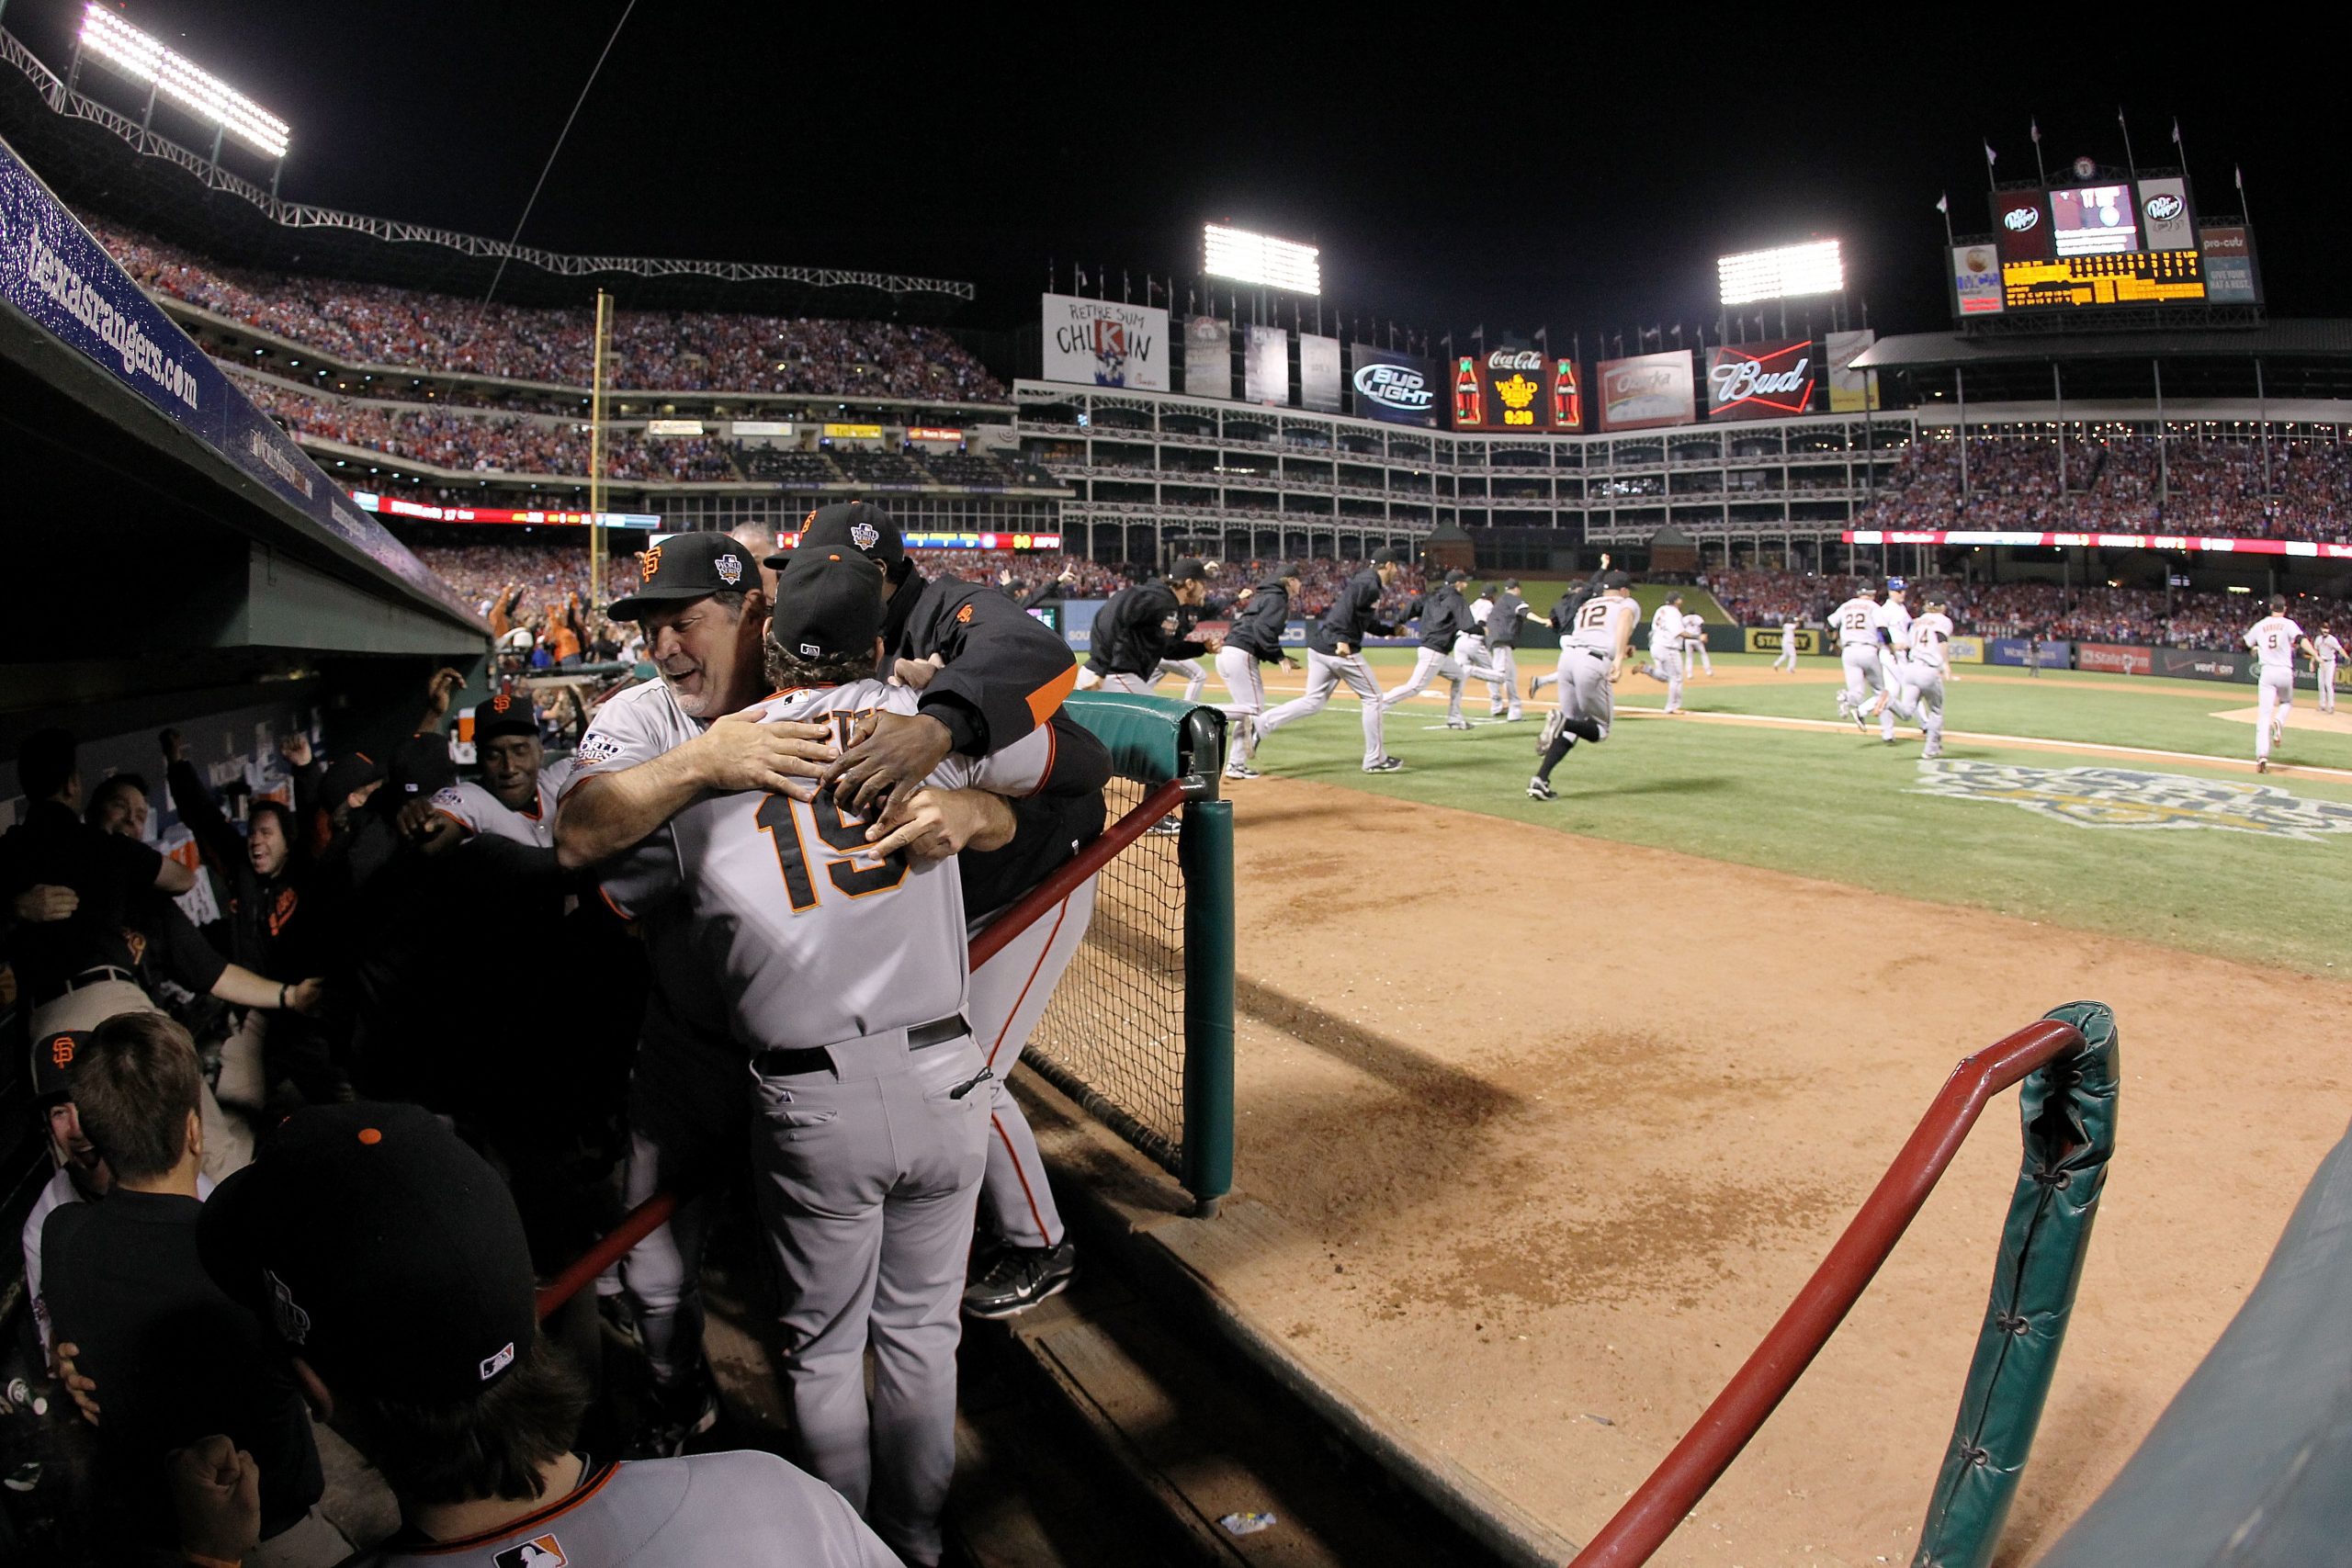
{"x": 1759, "y": 380}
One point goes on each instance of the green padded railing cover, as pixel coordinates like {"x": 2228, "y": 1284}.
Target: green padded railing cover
{"x": 2068, "y": 1108}
{"x": 1144, "y": 734}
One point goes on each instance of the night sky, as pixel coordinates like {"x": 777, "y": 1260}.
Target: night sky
{"x": 1457, "y": 170}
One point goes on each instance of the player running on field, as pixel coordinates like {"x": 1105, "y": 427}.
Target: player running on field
{"x": 1788, "y": 656}
{"x": 1856, "y": 624}
{"x": 1694, "y": 643}
{"x": 1920, "y": 698}
{"x": 1254, "y": 639}
{"x": 2327, "y": 651}
{"x": 1335, "y": 656}
{"x": 1143, "y": 626}
{"x": 2275, "y": 639}
{"x": 1666, "y": 650}
{"x": 1592, "y": 657}
{"x": 1893, "y": 636}
{"x": 1445, "y": 623}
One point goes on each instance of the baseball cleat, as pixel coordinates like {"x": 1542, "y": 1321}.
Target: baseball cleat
{"x": 1166, "y": 827}
{"x": 1555, "y": 722}
{"x": 1930, "y": 753}
{"x": 680, "y": 1416}
{"x": 1241, "y": 771}
{"x": 1539, "y": 790}
{"x": 1019, "y": 1278}
{"x": 2262, "y": 764}
{"x": 1457, "y": 724}
{"x": 1387, "y": 765}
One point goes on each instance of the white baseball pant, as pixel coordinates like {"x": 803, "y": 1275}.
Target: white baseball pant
{"x": 2278, "y": 696}
{"x": 1788, "y": 658}
{"x": 1428, "y": 665}
{"x": 1862, "y": 677}
{"x": 1478, "y": 661}
{"x": 1899, "y": 677}
{"x": 1665, "y": 664}
{"x": 1327, "y": 673}
{"x": 1920, "y": 699}
{"x": 2327, "y": 687}
{"x": 1696, "y": 648}
{"x": 1246, "y": 684}
{"x": 1506, "y": 659}
{"x": 1009, "y": 994}
{"x": 1194, "y": 676}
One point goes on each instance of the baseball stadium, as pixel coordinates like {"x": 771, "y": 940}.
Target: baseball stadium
{"x": 783, "y": 907}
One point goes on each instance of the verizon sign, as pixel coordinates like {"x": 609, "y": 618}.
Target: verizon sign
{"x": 1760, "y": 380}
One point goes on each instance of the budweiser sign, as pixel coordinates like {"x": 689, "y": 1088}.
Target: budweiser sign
{"x": 1765, "y": 381}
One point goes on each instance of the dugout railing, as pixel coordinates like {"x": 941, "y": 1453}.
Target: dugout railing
{"x": 1141, "y": 1030}
{"x": 2067, "y": 1063}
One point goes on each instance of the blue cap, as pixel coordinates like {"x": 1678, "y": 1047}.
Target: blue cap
{"x": 1896, "y": 585}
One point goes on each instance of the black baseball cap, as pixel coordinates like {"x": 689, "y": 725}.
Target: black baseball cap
{"x": 1281, "y": 568}
{"x": 508, "y": 713}
{"x": 1615, "y": 579}
{"x": 1188, "y": 570}
{"x": 382, "y": 1250}
{"x": 1511, "y": 583}
{"x": 1387, "y": 555}
{"x": 54, "y": 1056}
{"x": 1457, "y": 575}
{"x": 683, "y": 568}
{"x": 420, "y": 765}
{"x": 827, "y": 601}
{"x": 356, "y": 771}
{"x": 848, "y": 526}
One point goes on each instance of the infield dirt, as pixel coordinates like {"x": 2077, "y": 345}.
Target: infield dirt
{"x": 1559, "y": 1174}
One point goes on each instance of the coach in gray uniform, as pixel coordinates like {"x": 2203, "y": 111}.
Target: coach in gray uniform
{"x": 389, "y": 1261}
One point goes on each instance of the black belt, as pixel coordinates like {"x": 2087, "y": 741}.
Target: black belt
{"x": 785, "y": 1062}
{"x": 97, "y": 975}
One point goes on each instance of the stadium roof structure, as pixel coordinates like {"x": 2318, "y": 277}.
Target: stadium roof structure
{"x": 93, "y": 154}
{"x": 2307, "y": 358}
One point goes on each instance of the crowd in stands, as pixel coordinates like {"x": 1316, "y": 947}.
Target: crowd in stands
{"x": 2122, "y": 484}
{"x": 657, "y": 350}
{"x": 1758, "y": 597}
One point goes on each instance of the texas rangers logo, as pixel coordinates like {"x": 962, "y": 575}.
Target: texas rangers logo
{"x": 539, "y": 1551}
{"x": 864, "y": 536}
{"x": 649, "y": 562}
{"x": 730, "y": 569}
{"x": 2118, "y": 798}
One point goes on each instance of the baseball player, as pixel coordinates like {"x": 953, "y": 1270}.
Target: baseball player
{"x": 2275, "y": 639}
{"x": 1592, "y": 657}
{"x": 1788, "y": 655}
{"x": 1893, "y": 641}
{"x": 1254, "y": 639}
{"x": 1856, "y": 624}
{"x": 1504, "y": 626}
{"x": 2327, "y": 652}
{"x": 519, "y": 788}
{"x": 1142, "y": 629}
{"x": 1563, "y": 619}
{"x": 386, "y": 1260}
{"x": 1920, "y": 698}
{"x": 1694, "y": 643}
{"x": 1335, "y": 655}
{"x": 1446, "y": 621}
{"x": 1666, "y": 650}
{"x": 1196, "y": 679}
{"x": 869, "y": 1099}
{"x": 1472, "y": 647}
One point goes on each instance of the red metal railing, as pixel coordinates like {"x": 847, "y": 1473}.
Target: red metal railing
{"x": 1650, "y": 1516}
{"x": 648, "y": 1216}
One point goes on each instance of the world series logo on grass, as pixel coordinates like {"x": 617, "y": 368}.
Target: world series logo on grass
{"x": 2118, "y": 798}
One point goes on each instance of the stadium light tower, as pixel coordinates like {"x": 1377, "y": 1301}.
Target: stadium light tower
{"x": 145, "y": 59}
{"x": 1260, "y": 260}
{"x": 1783, "y": 273}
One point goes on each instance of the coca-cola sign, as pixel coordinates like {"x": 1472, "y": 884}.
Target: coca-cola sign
{"x": 1760, "y": 380}
{"x": 1515, "y": 359}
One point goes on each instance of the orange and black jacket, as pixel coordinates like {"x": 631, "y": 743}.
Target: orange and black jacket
{"x": 1005, "y": 671}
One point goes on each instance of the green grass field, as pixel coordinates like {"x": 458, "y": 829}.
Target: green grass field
{"x": 1834, "y": 804}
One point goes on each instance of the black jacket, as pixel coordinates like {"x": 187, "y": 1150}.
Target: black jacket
{"x": 261, "y": 912}
{"x": 1006, "y": 671}
{"x": 1140, "y": 625}
{"x": 1257, "y": 630}
{"x": 1444, "y": 616}
{"x": 1353, "y": 616}
{"x": 1503, "y": 620}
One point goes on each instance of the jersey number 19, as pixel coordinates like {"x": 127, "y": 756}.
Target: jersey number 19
{"x": 781, "y": 818}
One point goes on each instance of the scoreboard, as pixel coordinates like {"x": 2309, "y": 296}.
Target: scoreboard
{"x": 2102, "y": 241}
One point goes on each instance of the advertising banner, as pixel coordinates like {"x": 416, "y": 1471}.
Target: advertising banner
{"x": 1208, "y": 358}
{"x": 2165, "y": 224}
{"x": 1265, "y": 365}
{"x": 1318, "y": 373}
{"x": 1391, "y": 386}
{"x": 1850, "y": 391}
{"x": 2114, "y": 659}
{"x": 1965, "y": 650}
{"x": 1518, "y": 390}
{"x": 1646, "y": 390}
{"x": 1103, "y": 342}
{"x": 1759, "y": 380}
{"x": 2198, "y": 664}
{"x": 1975, "y": 280}
{"x": 2021, "y": 225}
{"x": 2026, "y": 539}
{"x": 2047, "y": 654}
{"x": 1766, "y": 639}
{"x": 2229, "y": 267}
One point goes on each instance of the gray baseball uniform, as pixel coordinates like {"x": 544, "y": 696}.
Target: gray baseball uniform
{"x": 1857, "y": 624}
{"x": 1921, "y": 695}
{"x": 1787, "y": 660}
{"x": 1665, "y": 653}
{"x": 745, "y": 1507}
{"x": 870, "y": 1109}
{"x": 471, "y": 806}
{"x": 1584, "y": 654}
{"x": 2326, "y": 651}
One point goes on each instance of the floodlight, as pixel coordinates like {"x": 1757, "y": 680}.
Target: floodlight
{"x": 1782, "y": 273}
{"x": 1262, "y": 260}
{"x": 144, "y": 58}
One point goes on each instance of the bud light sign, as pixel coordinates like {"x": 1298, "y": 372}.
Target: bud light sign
{"x": 1759, "y": 380}
{"x": 1392, "y": 388}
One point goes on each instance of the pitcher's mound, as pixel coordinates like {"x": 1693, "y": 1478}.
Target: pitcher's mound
{"x": 2302, "y": 715}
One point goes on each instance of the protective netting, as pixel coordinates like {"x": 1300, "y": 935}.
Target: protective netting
{"x": 1112, "y": 1038}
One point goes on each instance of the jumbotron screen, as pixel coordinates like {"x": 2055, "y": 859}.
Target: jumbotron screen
{"x": 2106, "y": 241}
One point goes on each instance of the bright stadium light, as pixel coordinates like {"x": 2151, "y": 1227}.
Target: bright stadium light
{"x": 1781, "y": 274}
{"x": 144, "y": 58}
{"x": 1262, "y": 260}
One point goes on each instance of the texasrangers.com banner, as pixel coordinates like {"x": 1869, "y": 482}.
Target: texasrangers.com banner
{"x": 2098, "y": 541}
